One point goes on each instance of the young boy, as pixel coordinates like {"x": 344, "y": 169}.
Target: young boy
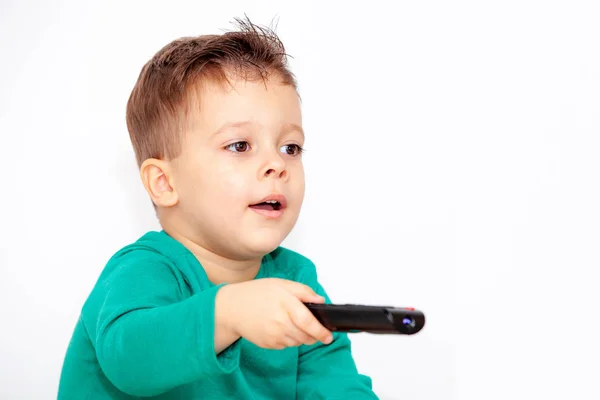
{"x": 211, "y": 307}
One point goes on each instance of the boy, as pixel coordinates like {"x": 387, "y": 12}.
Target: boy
{"x": 211, "y": 307}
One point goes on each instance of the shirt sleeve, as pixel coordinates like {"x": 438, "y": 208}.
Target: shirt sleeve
{"x": 148, "y": 335}
{"x": 328, "y": 372}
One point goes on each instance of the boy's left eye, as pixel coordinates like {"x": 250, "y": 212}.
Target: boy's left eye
{"x": 292, "y": 149}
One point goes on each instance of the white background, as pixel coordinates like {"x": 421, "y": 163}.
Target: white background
{"x": 453, "y": 164}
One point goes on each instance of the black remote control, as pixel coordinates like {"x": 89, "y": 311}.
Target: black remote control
{"x": 370, "y": 319}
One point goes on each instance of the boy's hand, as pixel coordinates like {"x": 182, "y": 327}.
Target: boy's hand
{"x": 270, "y": 313}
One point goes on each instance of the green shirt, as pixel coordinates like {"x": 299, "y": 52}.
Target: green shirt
{"x": 147, "y": 330}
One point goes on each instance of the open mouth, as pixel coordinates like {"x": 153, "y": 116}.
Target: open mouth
{"x": 269, "y": 205}
{"x": 272, "y": 206}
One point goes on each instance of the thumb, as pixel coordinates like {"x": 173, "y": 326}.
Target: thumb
{"x": 304, "y": 293}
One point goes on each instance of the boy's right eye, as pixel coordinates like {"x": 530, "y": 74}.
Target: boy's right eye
{"x": 238, "y": 147}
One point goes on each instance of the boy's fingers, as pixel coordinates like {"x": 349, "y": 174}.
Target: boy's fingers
{"x": 299, "y": 336}
{"x": 306, "y": 321}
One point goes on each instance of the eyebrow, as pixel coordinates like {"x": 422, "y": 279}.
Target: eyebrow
{"x": 293, "y": 127}
{"x": 241, "y": 124}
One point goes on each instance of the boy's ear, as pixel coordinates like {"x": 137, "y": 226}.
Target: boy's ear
{"x": 157, "y": 179}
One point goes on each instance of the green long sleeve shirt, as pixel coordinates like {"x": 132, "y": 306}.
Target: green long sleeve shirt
{"x": 147, "y": 331}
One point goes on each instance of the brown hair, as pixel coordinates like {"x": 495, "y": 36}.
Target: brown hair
{"x": 160, "y": 102}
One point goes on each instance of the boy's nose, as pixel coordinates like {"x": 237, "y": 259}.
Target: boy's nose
{"x": 274, "y": 168}
{"x": 274, "y": 173}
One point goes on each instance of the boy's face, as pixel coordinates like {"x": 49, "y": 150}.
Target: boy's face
{"x": 243, "y": 148}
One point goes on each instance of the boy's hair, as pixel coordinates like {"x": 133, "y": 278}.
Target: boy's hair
{"x": 164, "y": 94}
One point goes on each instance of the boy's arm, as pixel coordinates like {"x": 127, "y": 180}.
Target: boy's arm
{"x": 147, "y": 336}
{"x": 329, "y": 371}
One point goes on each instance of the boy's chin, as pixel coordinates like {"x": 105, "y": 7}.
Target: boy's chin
{"x": 264, "y": 244}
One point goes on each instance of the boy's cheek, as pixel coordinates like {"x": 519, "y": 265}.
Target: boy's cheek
{"x": 232, "y": 192}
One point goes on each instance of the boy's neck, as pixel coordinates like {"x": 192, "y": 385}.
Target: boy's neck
{"x": 219, "y": 269}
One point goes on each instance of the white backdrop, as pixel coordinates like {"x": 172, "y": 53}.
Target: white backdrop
{"x": 452, "y": 165}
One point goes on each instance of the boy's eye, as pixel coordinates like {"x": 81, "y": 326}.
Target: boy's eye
{"x": 238, "y": 147}
{"x": 292, "y": 149}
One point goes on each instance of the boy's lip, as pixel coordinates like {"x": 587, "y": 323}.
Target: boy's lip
{"x": 281, "y": 199}
{"x": 274, "y": 213}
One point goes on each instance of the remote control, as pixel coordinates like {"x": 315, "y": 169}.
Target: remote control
{"x": 370, "y": 319}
